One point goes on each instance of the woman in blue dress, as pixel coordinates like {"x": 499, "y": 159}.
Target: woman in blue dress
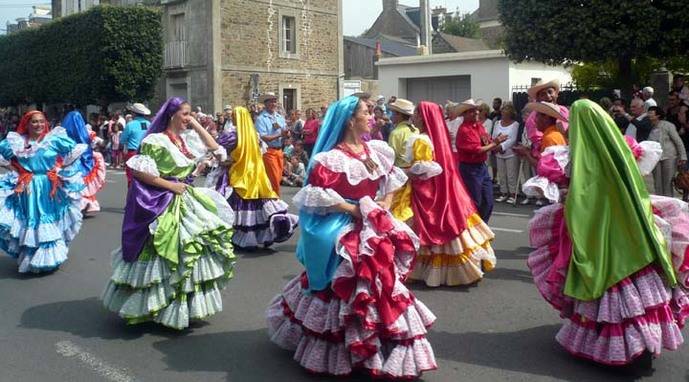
{"x": 40, "y": 197}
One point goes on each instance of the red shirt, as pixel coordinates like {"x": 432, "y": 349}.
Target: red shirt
{"x": 471, "y": 136}
{"x": 310, "y": 131}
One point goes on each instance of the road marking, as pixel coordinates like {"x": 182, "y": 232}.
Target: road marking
{"x": 70, "y": 350}
{"x": 512, "y": 215}
{"x": 506, "y": 230}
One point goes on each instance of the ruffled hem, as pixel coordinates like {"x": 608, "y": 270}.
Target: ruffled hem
{"x": 95, "y": 180}
{"x": 150, "y": 291}
{"x": 46, "y": 258}
{"x": 638, "y": 314}
{"x": 453, "y": 270}
{"x": 261, "y": 222}
{"x": 328, "y": 338}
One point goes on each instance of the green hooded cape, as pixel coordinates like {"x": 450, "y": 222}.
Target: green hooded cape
{"x": 608, "y": 209}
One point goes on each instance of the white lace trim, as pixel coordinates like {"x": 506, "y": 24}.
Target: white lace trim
{"x": 75, "y": 154}
{"x": 221, "y": 153}
{"x": 356, "y": 172}
{"x": 194, "y": 143}
{"x": 426, "y": 169}
{"x": 143, "y": 163}
{"x": 317, "y": 199}
{"x": 409, "y": 151}
{"x": 395, "y": 180}
{"x": 561, "y": 155}
{"x": 160, "y": 139}
{"x": 17, "y": 142}
{"x": 541, "y": 186}
{"x": 650, "y": 156}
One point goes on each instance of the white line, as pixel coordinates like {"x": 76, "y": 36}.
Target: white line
{"x": 511, "y": 214}
{"x": 506, "y": 230}
{"x": 70, "y": 350}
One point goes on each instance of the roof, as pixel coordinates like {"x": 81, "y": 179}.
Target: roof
{"x": 463, "y": 44}
{"x": 444, "y": 57}
{"x": 392, "y": 48}
{"x": 402, "y": 10}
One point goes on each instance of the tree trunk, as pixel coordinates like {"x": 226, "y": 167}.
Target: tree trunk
{"x": 625, "y": 76}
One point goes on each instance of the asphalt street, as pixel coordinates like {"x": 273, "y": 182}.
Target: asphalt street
{"x": 54, "y": 328}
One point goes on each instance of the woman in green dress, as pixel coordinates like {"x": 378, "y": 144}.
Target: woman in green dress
{"x": 176, "y": 250}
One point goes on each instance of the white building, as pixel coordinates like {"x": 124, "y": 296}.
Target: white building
{"x": 484, "y": 74}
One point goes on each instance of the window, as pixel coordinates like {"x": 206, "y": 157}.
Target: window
{"x": 289, "y": 35}
{"x": 289, "y": 99}
{"x": 177, "y": 30}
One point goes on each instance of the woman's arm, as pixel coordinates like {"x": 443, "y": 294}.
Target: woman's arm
{"x": 348, "y": 208}
{"x": 156, "y": 181}
{"x": 206, "y": 138}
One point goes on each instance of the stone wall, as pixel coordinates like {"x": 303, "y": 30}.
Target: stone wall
{"x": 251, "y": 45}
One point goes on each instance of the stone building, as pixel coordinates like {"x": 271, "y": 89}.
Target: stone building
{"x": 488, "y": 17}
{"x": 220, "y": 52}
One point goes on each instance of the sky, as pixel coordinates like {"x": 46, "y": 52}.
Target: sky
{"x": 358, "y": 14}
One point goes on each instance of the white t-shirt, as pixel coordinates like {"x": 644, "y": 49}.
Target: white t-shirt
{"x": 488, "y": 125}
{"x": 453, "y": 127}
{"x": 512, "y": 132}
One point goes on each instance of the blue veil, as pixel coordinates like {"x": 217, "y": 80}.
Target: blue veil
{"x": 76, "y": 129}
{"x": 316, "y": 246}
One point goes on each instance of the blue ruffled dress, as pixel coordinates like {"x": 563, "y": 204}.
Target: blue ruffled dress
{"x": 39, "y": 199}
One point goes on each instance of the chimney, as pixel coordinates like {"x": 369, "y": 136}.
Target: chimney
{"x": 390, "y": 4}
{"x": 426, "y": 27}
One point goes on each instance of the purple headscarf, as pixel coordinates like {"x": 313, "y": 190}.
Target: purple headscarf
{"x": 165, "y": 113}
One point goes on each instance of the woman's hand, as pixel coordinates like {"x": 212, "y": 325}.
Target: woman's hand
{"x": 349, "y": 208}
{"x": 178, "y": 188}
{"x": 355, "y": 211}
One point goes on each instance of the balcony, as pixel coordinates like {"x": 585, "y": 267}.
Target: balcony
{"x": 175, "y": 54}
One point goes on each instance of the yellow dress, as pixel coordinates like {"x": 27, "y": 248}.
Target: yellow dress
{"x": 398, "y": 140}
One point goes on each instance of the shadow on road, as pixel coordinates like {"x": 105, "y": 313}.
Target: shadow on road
{"x": 532, "y": 351}
{"x": 244, "y": 356}
{"x": 521, "y": 253}
{"x": 9, "y": 270}
{"x": 510, "y": 274}
{"x": 89, "y": 319}
{"x": 113, "y": 210}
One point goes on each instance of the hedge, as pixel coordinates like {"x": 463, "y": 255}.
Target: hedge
{"x": 106, "y": 54}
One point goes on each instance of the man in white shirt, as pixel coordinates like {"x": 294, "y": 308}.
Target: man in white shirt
{"x": 453, "y": 122}
{"x": 639, "y": 125}
{"x": 647, "y": 94}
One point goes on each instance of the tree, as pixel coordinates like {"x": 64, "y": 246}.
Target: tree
{"x": 462, "y": 25}
{"x": 621, "y": 32}
{"x": 107, "y": 54}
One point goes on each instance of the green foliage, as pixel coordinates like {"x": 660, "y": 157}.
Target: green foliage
{"x": 607, "y": 75}
{"x": 462, "y": 25}
{"x": 107, "y": 54}
{"x": 624, "y": 33}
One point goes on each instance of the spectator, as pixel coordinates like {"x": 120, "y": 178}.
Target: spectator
{"x": 310, "y": 132}
{"x": 618, "y": 111}
{"x": 496, "y": 114}
{"x": 289, "y": 147}
{"x": 677, "y": 113}
{"x": 483, "y": 114}
{"x": 647, "y": 95}
{"x": 128, "y": 118}
{"x": 134, "y": 133}
{"x": 402, "y": 110}
{"x": 388, "y": 111}
{"x": 299, "y": 153}
{"x": 606, "y": 104}
{"x": 673, "y": 148}
{"x": 295, "y": 173}
{"x": 383, "y": 123}
{"x": 679, "y": 87}
{"x": 297, "y": 125}
{"x": 380, "y": 102}
{"x": 453, "y": 122}
{"x": 116, "y": 146}
{"x": 507, "y": 161}
{"x": 639, "y": 125}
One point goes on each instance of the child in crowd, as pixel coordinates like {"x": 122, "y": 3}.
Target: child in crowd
{"x": 294, "y": 173}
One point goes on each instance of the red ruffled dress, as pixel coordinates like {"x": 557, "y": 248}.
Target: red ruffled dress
{"x": 640, "y": 313}
{"x": 94, "y": 182}
{"x": 366, "y": 318}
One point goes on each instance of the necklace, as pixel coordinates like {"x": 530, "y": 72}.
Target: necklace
{"x": 370, "y": 165}
{"x": 179, "y": 143}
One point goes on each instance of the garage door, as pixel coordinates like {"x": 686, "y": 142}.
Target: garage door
{"x": 439, "y": 89}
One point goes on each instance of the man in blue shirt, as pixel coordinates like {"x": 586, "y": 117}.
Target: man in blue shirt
{"x": 134, "y": 133}
{"x": 272, "y": 128}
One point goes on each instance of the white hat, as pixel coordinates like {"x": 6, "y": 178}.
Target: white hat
{"x": 547, "y": 108}
{"x": 466, "y": 106}
{"x": 381, "y": 98}
{"x": 267, "y": 96}
{"x": 227, "y": 107}
{"x": 139, "y": 108}
{"x": 403, "y": 106}
{"x": 534, "y": 90}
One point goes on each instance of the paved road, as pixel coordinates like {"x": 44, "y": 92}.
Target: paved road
{"x": 53, "y": 327}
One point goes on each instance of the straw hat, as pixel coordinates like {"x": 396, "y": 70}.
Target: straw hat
{"x": 547, "y": 108}
{"x": 403, "y": 106}
{"x": 267, "y": 96}
{"x": 139, "y": 108}
{"x": 466, "y": 106}
{"x": 534, "y": 90}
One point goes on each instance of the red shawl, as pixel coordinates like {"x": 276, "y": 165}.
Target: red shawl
{"x": 441, "y": 204}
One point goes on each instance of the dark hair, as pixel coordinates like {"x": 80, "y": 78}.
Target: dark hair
{"x": 673, "y": 93}
{"x": 658, "y": 111}
{"x": 497, "y": 99}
